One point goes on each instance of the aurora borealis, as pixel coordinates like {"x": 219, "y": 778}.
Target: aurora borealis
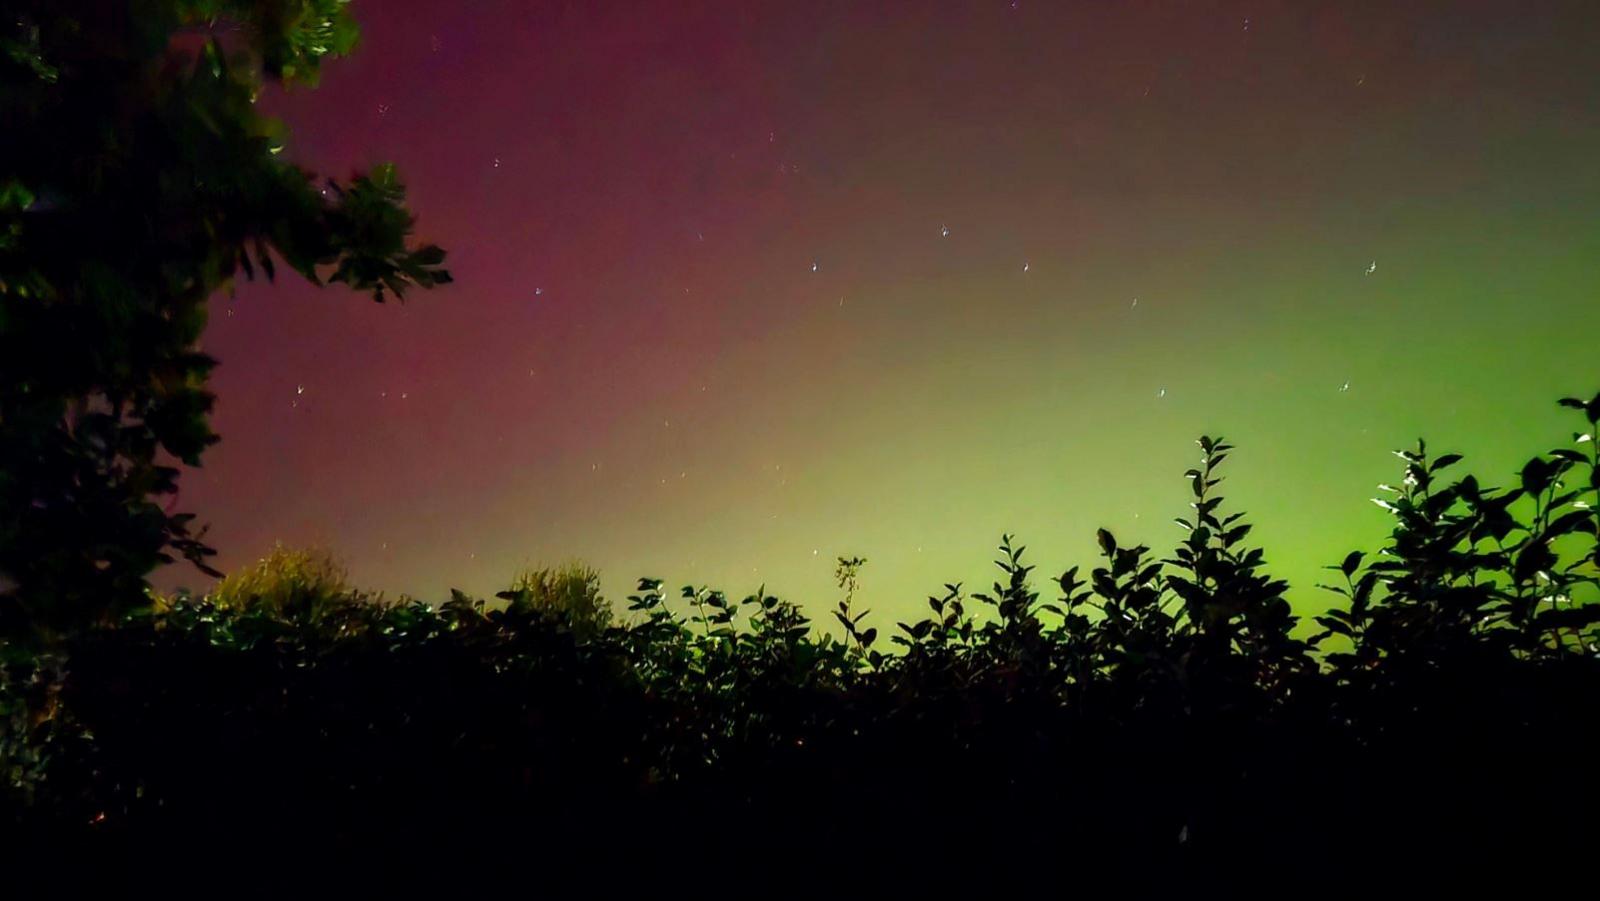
{"x": 745, "y": 287}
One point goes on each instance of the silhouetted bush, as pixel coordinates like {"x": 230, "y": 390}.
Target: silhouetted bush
{"x": 287, "y": 583}
{"x": 1157, "y": 722}
{"x": 568, "y": 594}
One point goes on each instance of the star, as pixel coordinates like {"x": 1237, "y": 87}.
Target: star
{"x": 1135, "y": 304}
{"x": 497, "y": 162}
{"x": 1372, "y": 267}
{"x": 1025, "y": 267}
{"x": 1161, "y": 393}
{"x": 299, "y": 389}
{"x": 944, "y": 231}
{"x": 813, "y": 266}
{"x": 1345, "y": 387}
{"x": 538, "y": 292}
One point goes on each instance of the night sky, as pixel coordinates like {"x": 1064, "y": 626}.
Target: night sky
{"x": 743, "y": 287}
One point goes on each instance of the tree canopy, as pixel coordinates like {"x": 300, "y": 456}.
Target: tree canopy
{"x": 138, "y": 179}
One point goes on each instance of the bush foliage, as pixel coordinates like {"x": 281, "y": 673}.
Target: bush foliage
{"x": 287, "y": 583}
{"x": 568, "y": 595}
{"x": 1154, "y": 720}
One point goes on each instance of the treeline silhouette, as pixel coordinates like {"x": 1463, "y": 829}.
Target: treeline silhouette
{"x": 1152, "y": 722}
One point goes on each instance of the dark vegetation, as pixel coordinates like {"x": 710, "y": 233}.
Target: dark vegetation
{"x": 1156, "y": 720}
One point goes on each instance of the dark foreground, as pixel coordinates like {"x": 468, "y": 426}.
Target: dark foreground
{"x": 1160, "y": 726}
{"x": 447, "y": 755}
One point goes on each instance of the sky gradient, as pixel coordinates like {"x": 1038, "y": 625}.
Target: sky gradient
{"x": 741, "y": 288}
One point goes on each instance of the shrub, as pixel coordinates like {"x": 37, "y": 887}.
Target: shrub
{"x": 568, "y": 594}
{"x": 288, "y": 582}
